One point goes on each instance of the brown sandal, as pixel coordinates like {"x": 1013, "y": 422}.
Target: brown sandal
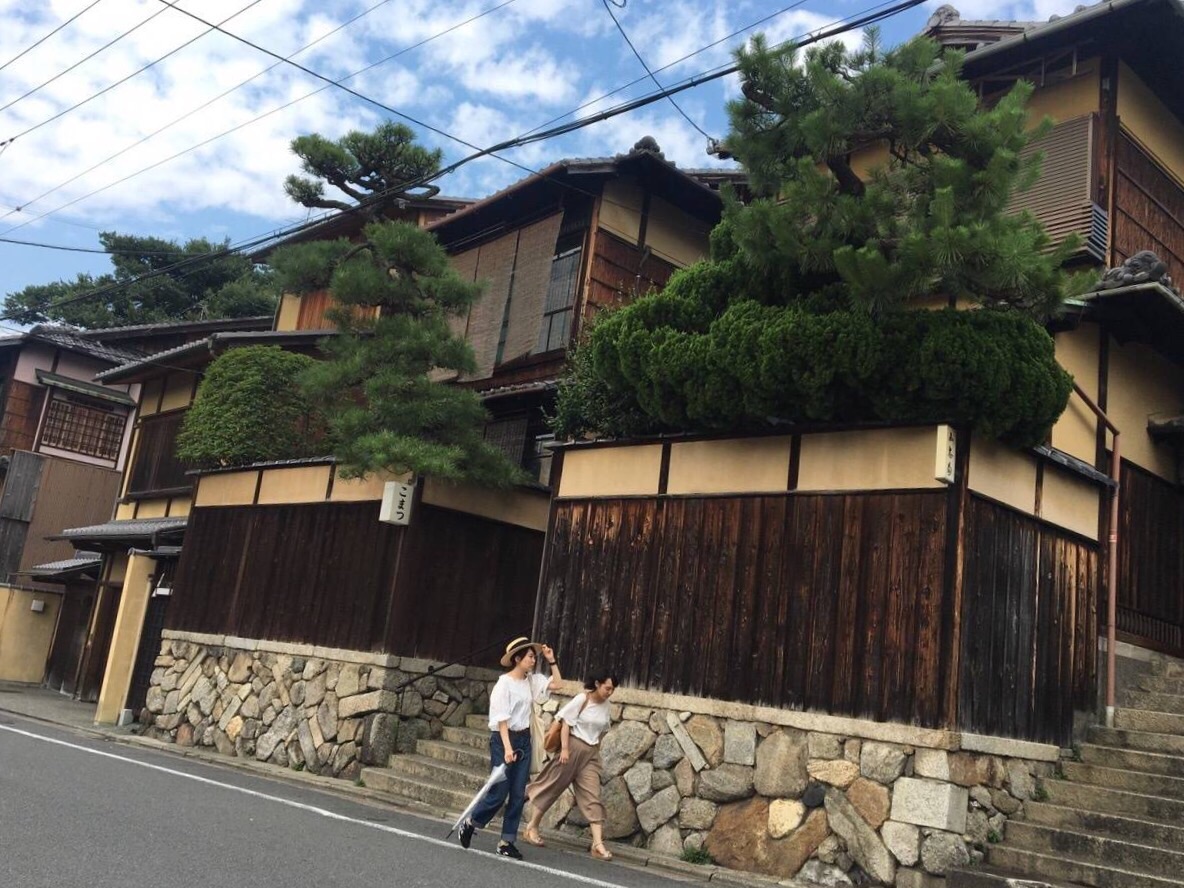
{"x": 600, "y": 852}
{"x": 532, "y": 837}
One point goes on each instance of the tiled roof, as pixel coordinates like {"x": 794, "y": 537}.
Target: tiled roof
{"x": 74, "y": 340}
{"x": 127, "y": 529}
{"x": 81, "y": 561}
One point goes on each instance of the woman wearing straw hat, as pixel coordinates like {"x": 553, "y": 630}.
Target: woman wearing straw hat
{"x": 510, "y": 706}
{"x": 585, "y": 720}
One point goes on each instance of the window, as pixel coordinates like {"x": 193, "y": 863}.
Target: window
{"x": 561, "y": 292}
{"x": 156, "y": 467}
{"x": 83, "y": 428}
{"x": 508, "y": 436}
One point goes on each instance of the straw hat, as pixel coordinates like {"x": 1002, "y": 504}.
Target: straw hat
{"x": 520, "y": 643}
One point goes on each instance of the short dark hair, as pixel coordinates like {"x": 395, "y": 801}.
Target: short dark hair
{"x": 599, "y": 676}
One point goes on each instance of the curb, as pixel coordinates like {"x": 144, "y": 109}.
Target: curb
{"x": 627, "y": 854}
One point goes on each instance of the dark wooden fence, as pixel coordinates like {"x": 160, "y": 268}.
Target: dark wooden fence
{"x": 331, "y": 574}
{"x": 1029, "y": 625}
{"x": 1151, "y": 561}
{"x": 832, "y": 602}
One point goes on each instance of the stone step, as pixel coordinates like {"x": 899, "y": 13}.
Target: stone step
{"x": 1161, "y": 685}
{"x": 993, "y": 877}
{"x": 1133, "y": 760}
{"x": 1126, "y": 780}
{"x": 441, "y": 799}
{"x": 1129, "y": 781}
{"x": 477, "y": 723}
{"x": 428, "y": 770}
{"x": 468, "y": 737}
{"x": 1114, "y": 801}
{"x": 1145, "y": 832}
{"x": 1146, "y": 720}
{"x": 1094, "y": 847}
{"x": 1168, "y": 668}
{"x": 454, "y": 753}
{"x": 1054, "y": 868}
{"x": 1141, "y": 740}
{"x": 1155, "y": 701}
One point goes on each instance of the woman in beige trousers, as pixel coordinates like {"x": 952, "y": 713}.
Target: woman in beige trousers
{"x": 585, "y": 719}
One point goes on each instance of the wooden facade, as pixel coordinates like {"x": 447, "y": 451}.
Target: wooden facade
{"x": 1148, "y": 211}
{"x": 936, "y": 606}
{"x": 332, "y": 574}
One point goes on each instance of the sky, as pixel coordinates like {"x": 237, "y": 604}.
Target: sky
{"x": 196, "y": 145}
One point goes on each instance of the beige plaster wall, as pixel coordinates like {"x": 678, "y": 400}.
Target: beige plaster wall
{"x": 351, "y": 490}
{"x": 1141, "y": 384}
{"x": 152, "y": 508}
{"x": 1002, "y": 474}
{"x": 612, "y": 471}
{"x": 674, "y": 235}
{"x": 620, "y": 209}
{"x": 288, "y": 316}
{"x": 303, "y": 484}
{"x": 229, "y": 489}
{"x": 518, "y": 507}
{"x": 125, "y": 640}
{"x": 1070, "y": 502}
{"x": 743, "y": 465}
{"x": 1075, "y": 432}
{"x": 125, "y": 511}
{"x": 26, "y": 636}
{"x": 1069, "y": 98}
{"x": 875, "y": 459}
{"x": 178, "y": 391}
{"x": 1147, "y": 119}
{"x": 180, "y": 506}
{"x": 150, "y": 396}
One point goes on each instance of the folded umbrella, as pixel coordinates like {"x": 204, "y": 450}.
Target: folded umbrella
{"x": 496, "y": 776}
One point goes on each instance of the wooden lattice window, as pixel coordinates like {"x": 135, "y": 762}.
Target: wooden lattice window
{"x": 83, "y": 428}
{"x": 155, "y": 468}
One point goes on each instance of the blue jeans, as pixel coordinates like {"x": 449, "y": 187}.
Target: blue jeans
{"x": 512, "y": 790}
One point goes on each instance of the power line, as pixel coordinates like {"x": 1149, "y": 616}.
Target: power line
{"x": 135, "y": 73}
{"x": 885, "y": 11}
{"x": 81, "y": 61}
{"x": 222, "y": 95}
{"x": 677, "y": 107}
{"x": 30, "y": 48}
{"x": 68, "y": 249}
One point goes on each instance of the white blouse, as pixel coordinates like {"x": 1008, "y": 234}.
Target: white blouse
{"x": 512, "y": 698}
{"x": 590, "y": 724}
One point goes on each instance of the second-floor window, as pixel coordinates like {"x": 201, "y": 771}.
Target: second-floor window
{"x": 155, "y": 467}
{"x": 559, "y": 306}
{"x": 84, "y": 428}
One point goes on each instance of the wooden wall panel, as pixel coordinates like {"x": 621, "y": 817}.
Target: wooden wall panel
{"x": 1148, "y": 209}
{"x": 326, "y": 574}
{"x": 829, "y": 602}
{"x": 1151, "y": 560}
{"x": 22, "y": 413}
{"x": 1029, "y": 626}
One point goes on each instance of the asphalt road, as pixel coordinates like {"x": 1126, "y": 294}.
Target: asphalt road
{"x": 78, "y": 812}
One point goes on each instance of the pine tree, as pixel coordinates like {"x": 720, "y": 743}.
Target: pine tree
{"x": 386, "y": 409}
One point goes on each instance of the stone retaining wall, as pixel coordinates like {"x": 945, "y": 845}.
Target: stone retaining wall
{"x": 328, "y": 711}
{"x": 803, "y": 798}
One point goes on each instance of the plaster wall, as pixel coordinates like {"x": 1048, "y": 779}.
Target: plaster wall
{"x": 1005, "y": 475}
{"x": 303, "y": 484}
{"x": 178, "y": 391}
{"x": 289, "y": 312}
{"x": 742, "y": 465}
{"x": 1075, "y": 432}
{"x": 674, "y": 235}
{"x": 612, "y": 471}
{"x": 1148, "y": 120}
{"x": 150, "y": 396}
{"x": 25, "y": 635}
{"x": 125, "y": 639}
{"x": 620, "y": 209}
{"x": 518, "y": 507}
{"x": 1068, "y": 99}
{"x": 869, "y": 459}
{"x": 1141, "y": 384}
{"x": 1070, "y": 502}
{"x": 228, "y": 489}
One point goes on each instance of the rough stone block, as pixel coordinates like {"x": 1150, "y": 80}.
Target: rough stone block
{"x": 689, "y": 750}
{"x": 697, "y": 814}
{"x": 903, "y": 840}
{"x": 882, "y": 762}
{"x": 785, "y": 815}
{"x": 932, "y": 763}
{"x": 727, "y": 783}
{"x": 781, "y": 765}
{"x": 840, "y": 773}
{"x": 640, "y": 780}
{"x": 943, "y": 851}
{"x": 930, "y": 803}
{"x": 863, "y": 842}
{"x": 656, "y": 811}
{"x": 871, "y": 800}
{"x": 667, "y": 751}
{"x": 623, "y": 746}
{"x": 706, "y": 733}
{"x": 739, "y": 743}
{"x": 360, "y": 704}
{"x": 825, "y": 746}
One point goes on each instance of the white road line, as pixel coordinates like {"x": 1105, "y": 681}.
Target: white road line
{"x": 313, "y": 809}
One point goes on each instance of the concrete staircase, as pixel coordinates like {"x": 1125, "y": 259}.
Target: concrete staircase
{"x": 1116, "y": 820}
{"x": 443, "y": 775}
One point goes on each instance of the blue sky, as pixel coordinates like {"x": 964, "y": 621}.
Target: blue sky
{"x": 509, "y": 71}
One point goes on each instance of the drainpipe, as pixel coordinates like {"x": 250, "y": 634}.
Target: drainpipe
{"x": 1112, "y": 553}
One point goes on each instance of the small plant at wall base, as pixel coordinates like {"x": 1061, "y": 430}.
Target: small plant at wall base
{"x": 699, "y": 856}
{"x": 380, "y": 387}
{"x": 815, "y": 305}
{"x": 250, "y": 407}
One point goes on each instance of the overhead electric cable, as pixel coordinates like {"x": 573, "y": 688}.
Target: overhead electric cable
{"x": 82, "y": 60}
{"x": 222, "y": 95}
{"x": 135, "y": 73}
{"x": 69, "y": 249}
{"x": 33, "y": 46}
{"x": 885, "y": 11}
{"x": 629, "y": 43}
